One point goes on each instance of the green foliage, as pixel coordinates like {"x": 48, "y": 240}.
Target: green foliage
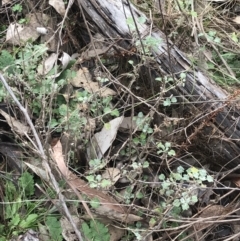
{"x": 95, "y": 203}
{"x": 3, "y": 27}
{"x": 138, "y": 165}
{"x": 143, "y": 124}
{"x": 16, "y": 201}
{"x": 199, "y": 175}
{"x": 20, "y": 213}
{"x": 165, "y": 148}
{"x": 54, "y": 228}
{"x": 169, "y": 101}
{"x": 27, "y": 183}
{"x": 17, "y": 8}
{"x": 149, "y": 43}
{"x": 98, "y": 181}
{"x": 40, "y": 89}
{"x": 234, "y": 37}
{"x": 219, "y": 72}
{"x": 22, "y": 21}
{"x": 180, "y": 188}
{"x": 98, "y": 105}
{"x": 212, "y": 36}
{"x": 186, "y": 6}
{"x": 128, "y": 194}
{"x": 7, "y": 62}
{"x": 128, "y": 151}
{"x": 95, "y": 231}
{"x": 131, "y": 24}
{"x": 146, "y": 44}
{"x": 96, "y": 165}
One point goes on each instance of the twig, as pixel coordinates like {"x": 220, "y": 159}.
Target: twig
{"x": 44, "y": 157}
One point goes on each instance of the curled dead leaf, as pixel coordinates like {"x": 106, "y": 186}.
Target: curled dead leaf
{"x": 108, "y": 206}
{"x": 67, "y": 228}
{"x": 106, "y": 136}
{"x": 112, "y": 174}
{"x": 17, "y": 34}
{"x": 84, "y": 79}
{"x": 48, "y": 64}
{"x": 15, "y": 125}
{"x": 212, "y": 211}
{"x": 58, "y": 5}
{"x": 237, "y": 20}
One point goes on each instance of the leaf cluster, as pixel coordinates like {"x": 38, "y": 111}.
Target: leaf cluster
{"x": 19, "y": 213}
{"x": 95, "y": 231}
{"x": 181, "y": 187}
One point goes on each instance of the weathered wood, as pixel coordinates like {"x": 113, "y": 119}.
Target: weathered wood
{"x": 220, "y": 133}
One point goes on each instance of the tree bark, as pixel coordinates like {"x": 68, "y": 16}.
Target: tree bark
{"x": 216, "y": 122}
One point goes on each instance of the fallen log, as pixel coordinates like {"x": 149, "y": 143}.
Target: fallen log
{"x": 216, "y": 121}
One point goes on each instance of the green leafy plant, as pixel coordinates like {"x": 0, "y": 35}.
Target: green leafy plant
{"x": 137, "y": 165}
{"x": 143, "y": 124}
{"x": 17, "y": 8}
{"x": 165, "y": 79}
{"x": 98, "y": 181}
{"x": 18, "y": 211}
{"x": 7, "y": 62}
{"x": 146, "y": 44}
{"x": 21, "y": 214}
{"x": 127, "y": 151}
{"x": 219, "y": 72}
{"x": 165, "y": 148}
{"x": 40, "y": 89}
{"x": 212, "y": 36}
{"x": 169, "y": 101}
{"x": 181, "y": 187}
{"x": 95, "y": 231}
{"x": 127, "y": 195}
{"x": 54, "y": 228}
{"x": 23, "y": 21}
{"x": 149, "y": 43}
{"x": 96, "y": 165}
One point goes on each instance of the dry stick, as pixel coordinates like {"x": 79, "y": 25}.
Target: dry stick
{"x": 44, "y": 158}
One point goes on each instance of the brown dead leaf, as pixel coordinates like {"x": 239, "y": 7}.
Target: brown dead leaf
{"x": 212, "y": 211}
{"x": 43, "y": 232}
{"x": 115, "y": 233}
{"x": 13, "y": 30}
{"x": 237, "y": 20}
{"x": 17, "y": 34}
{"x": 39, "y": 171}
{"x": 48, "y": 64}
{"x": 108, "y": 205}
{"x": 84, "y": 79}
{"x": 116, "y": 215}
{"x": 15, "y": 125}
{"x": 67, "y": 228}
{"x": 236, "y": 181}
{"x": 28, "y": 235}
{"x": 92, "y": 53}
{"x": 107, "y": 135}
{"x": 58, "y": 5}
{"x": 4, "y": 2}
{"x": 58, "y": 156}
{"x": 236, "y": 229}
{"x": 112, "y": 174}
{"x": 128, "y": 124}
